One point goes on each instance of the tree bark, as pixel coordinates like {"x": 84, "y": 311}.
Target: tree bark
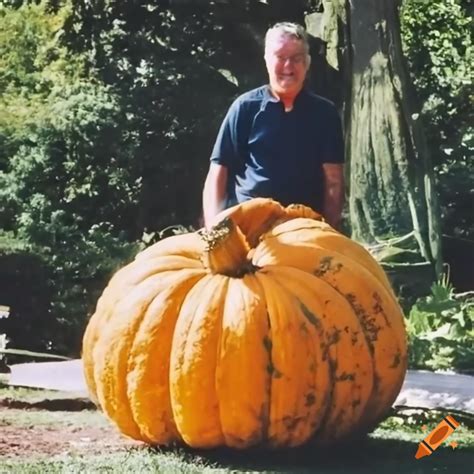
{"x": 389, "y": 172}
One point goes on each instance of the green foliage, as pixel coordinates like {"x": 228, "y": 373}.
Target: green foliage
{"x": 69, "y": 181}
{"x": 168, "y": 68}
{"x": 438, "y": 45}
{"x": 440, "y": 330}
{"x": 32, "y": 61}
{"x": 437, "y": 39}
{"x": 29, "y": 52}
{"x": 25, "y": 290}
{"x": 456, "y": 186}
{"x": 411, "y": 417}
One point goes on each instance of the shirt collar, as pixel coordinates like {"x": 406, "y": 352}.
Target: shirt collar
{"x": 269, "y": 97}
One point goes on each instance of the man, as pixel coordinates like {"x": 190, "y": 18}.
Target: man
{"x": 279, "y": 140}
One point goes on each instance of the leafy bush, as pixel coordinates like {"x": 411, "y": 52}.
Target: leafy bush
{"x": 69, "y": 180}
{"x": 24, "y": 290}
{"x": 440, "y": 330}
{"x": 437, "y": 40}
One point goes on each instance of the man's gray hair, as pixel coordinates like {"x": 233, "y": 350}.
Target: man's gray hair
{"x": 286, "y": 28}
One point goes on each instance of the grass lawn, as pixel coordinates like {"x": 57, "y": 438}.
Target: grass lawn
{"x": 37, "y": 440}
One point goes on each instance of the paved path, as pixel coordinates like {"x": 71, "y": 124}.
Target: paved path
{"x": 420, "y": 389}
{"x": 66, "y": 376}
{"x": 434, "y": 390}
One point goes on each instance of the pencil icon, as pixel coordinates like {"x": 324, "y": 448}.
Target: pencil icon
{"x": 444, "y": 429}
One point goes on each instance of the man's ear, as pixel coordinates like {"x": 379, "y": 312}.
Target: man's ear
{"x": 265, "y": 58}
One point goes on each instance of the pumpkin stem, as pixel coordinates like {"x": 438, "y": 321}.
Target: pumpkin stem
{"x": 226, "y": 249}
{"x": 299, "y": 210}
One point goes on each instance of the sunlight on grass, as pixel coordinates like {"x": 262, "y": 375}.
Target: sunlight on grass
{"x": 379, "y": 456}
{"x": 394, "y": 429}
{"x": 127, "y": 462}
{"x": 387, "y": 450}
{"x": 26, "y": 418}
{"x": 32, "y": 395}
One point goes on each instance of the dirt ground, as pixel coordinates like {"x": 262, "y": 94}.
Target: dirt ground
{"x": 51, "y": 440}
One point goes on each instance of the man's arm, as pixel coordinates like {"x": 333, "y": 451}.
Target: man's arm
{"x": 333, "y": 193}
{"x": 215, "y": 192}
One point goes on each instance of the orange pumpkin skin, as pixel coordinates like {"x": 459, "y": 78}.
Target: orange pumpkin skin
{"x": 269, "y": 330}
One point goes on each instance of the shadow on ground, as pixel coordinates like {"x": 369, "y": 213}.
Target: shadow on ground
{"x": 65, "y": 404}
{"x": 386, "y": 456}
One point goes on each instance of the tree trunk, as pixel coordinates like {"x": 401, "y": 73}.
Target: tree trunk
{"x": 389, "y": 173}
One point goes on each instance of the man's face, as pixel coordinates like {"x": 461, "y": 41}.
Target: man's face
{"x": 287, "y": 64}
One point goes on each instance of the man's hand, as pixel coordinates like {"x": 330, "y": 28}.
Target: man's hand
{"x": 333, "y": 193}
{"x": 215, "y": 192}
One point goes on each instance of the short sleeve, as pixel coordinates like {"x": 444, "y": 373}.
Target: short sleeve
{"x": 227, "y": 149}
{"x": 333, "y": 150}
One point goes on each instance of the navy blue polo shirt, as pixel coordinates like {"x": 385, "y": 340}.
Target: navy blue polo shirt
{"x": 278, "y": 154}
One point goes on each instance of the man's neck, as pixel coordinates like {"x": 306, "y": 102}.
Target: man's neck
{"x": 288, "y": 100}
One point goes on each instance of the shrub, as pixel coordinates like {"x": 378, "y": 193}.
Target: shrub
{"x": 440, "y": 330}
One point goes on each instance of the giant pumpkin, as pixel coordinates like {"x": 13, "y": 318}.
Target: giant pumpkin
{"x": 268, "y": 329}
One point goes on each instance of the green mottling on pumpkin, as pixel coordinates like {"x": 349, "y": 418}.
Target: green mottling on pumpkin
{"x": 310, "y": 399}
{"x": 367, "y": 322}
{"x": 273, "y": 371}
{"x": 276, "y": 373}
{"x": 334, "y": 336}
{"x": 378, "y": 307}
{"x": 267, "y": 343}
{"x": 291, "y": 423}
{"x": 339, "y": 418}
{"x": 396, "y": 360}
{"x": 324, "y": 350}
{"x": 378, "y": 303}
{"x": 326, "y": 265}
{"x": 345, "y": 376}
{"x": 310, "y": 316}
{"x": 355, "y": 403}
{"x": 270, "y": 368}
{"x": 333, "y": 367}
